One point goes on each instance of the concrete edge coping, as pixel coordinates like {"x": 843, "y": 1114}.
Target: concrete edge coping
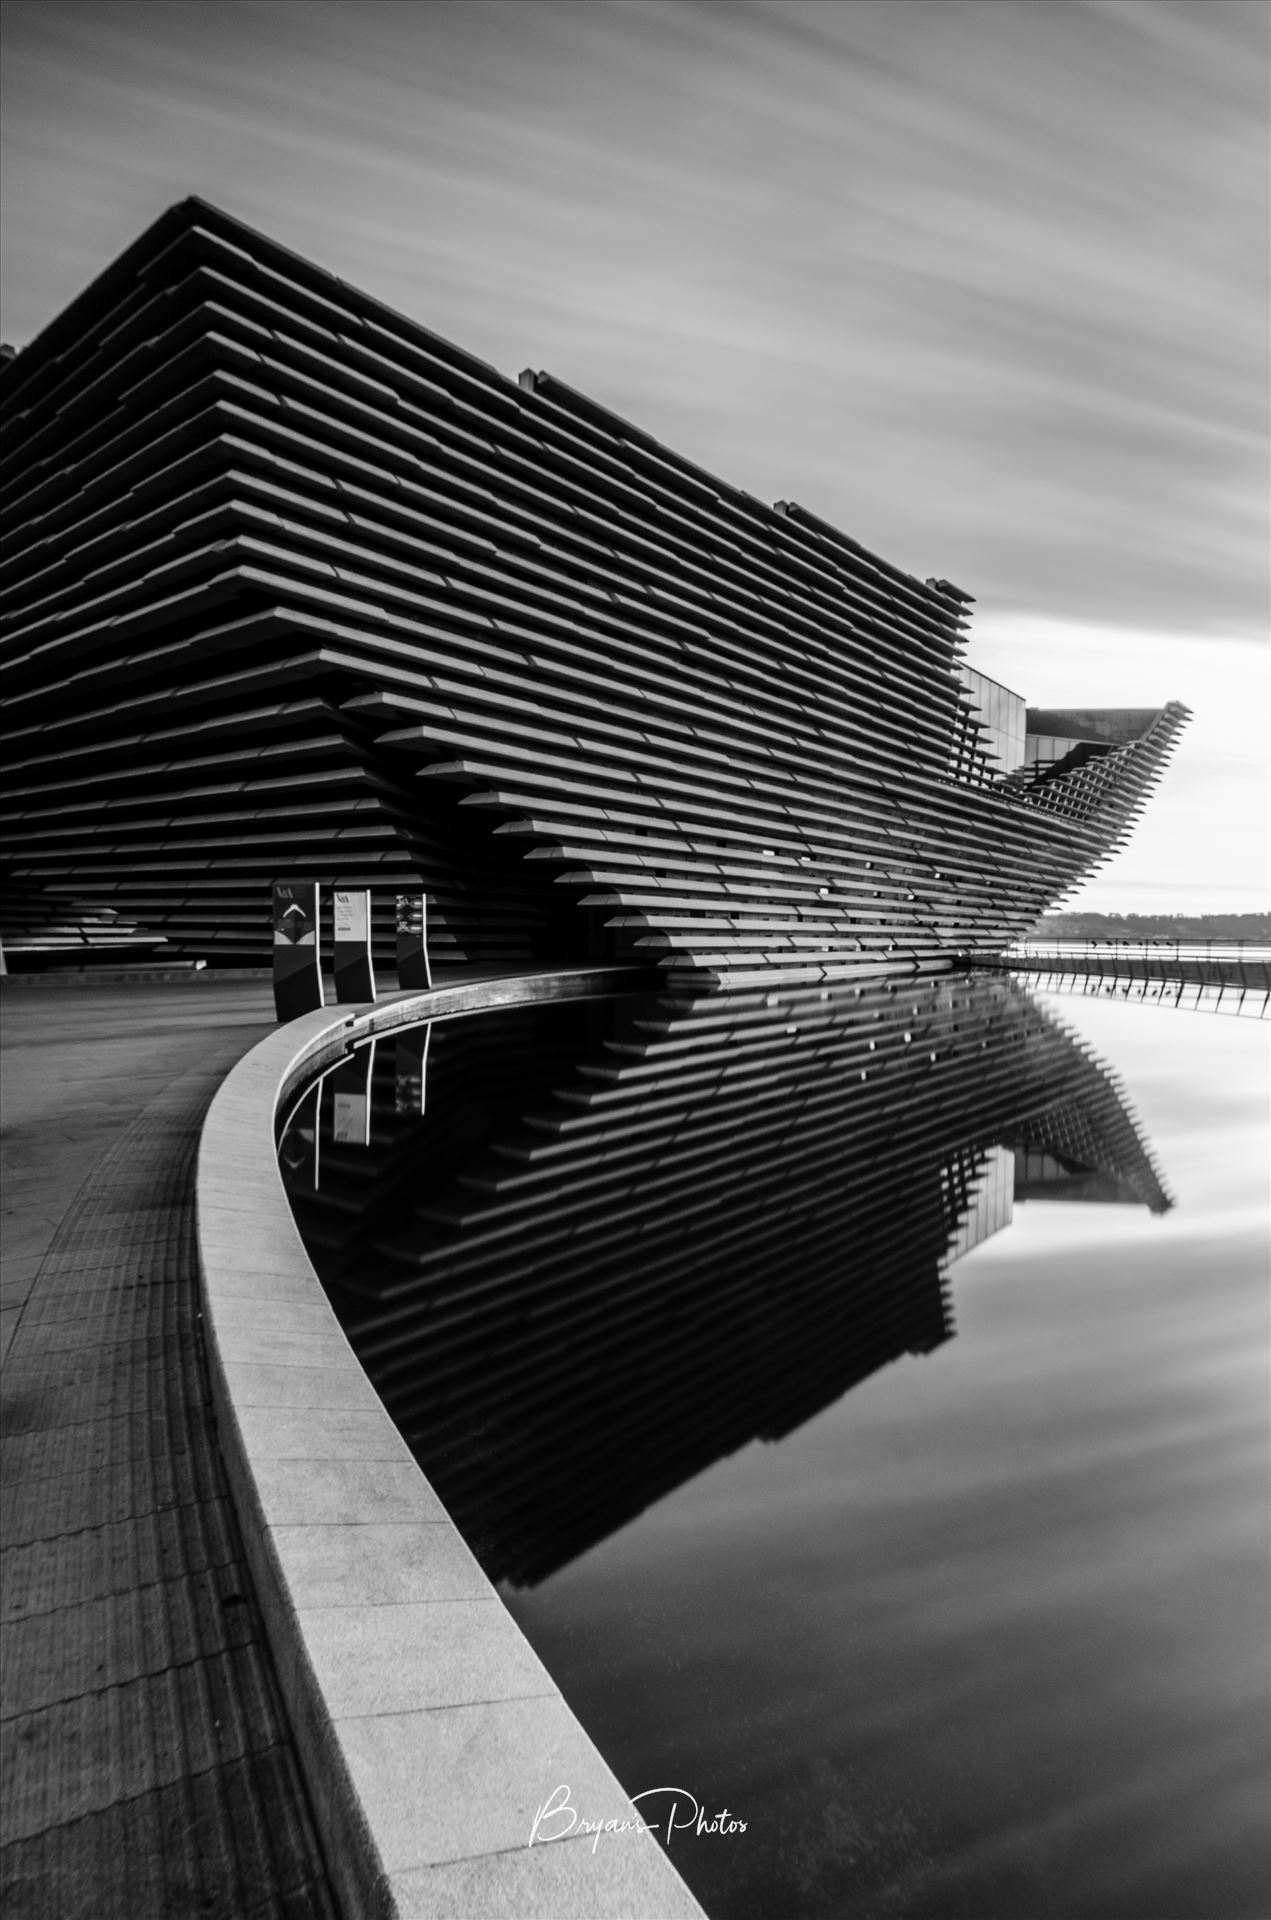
{"x": 428, "y": 1730}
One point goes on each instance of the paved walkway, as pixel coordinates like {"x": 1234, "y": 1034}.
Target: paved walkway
{"x": 147, "y": 1767}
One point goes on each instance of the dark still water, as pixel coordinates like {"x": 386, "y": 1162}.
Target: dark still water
{"x": 864, "y": 1409}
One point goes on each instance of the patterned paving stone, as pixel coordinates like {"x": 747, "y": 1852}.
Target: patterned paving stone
{"x": 145, "y": 1761}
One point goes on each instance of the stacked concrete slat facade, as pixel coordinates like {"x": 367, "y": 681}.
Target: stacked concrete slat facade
{"x": 295, "y": 587}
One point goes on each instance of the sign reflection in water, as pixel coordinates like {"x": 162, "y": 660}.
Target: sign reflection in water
{"x": 625, "y": 1240}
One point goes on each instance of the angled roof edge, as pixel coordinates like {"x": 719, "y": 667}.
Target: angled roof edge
{"x": 187, "y": 215}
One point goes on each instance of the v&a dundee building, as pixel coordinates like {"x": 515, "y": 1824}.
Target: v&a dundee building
{"x": 297, "y": 592}
{"x": 292, "y": 586}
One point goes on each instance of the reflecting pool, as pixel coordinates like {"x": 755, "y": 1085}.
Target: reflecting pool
{"x": 860, "y": 1396}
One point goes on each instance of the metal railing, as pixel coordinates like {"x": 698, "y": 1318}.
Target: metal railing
{"x": 1196, "y": 995}
{"x": 1254, "y": 951}
{"x": 1229, "y": 976}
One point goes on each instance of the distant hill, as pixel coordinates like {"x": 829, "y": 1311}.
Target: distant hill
{"x": 1153, "y": 926}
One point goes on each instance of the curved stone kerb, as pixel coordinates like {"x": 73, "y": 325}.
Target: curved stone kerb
{"x": 428, "y": 1729}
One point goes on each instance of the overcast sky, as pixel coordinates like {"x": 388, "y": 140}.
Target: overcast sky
{"x": 984, "y": 282}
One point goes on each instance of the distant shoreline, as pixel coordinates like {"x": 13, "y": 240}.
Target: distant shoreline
{"x": 1154, "y": 926}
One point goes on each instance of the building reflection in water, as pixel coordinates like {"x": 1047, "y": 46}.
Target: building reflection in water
{"x": 585, "y": 1250}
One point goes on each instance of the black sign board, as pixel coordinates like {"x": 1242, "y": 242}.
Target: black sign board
{"x": 297, "y": 963}
{"x": 354, "y": 973}
{"x": 413, "y": 969}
